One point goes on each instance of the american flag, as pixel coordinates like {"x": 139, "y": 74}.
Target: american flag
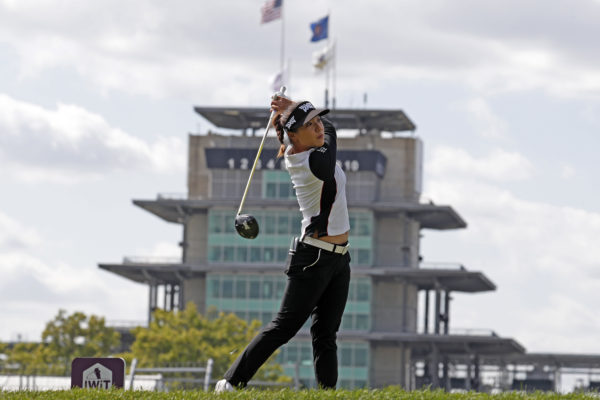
{"x": 270, "y": 11}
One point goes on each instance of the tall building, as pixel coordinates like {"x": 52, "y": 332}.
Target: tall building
{"x": 379, "y": 341}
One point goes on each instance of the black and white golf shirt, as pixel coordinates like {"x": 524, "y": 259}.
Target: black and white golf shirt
{"x": 320, "y": 185}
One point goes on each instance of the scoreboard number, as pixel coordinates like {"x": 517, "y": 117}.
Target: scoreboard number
{"x": 243, "y": 159}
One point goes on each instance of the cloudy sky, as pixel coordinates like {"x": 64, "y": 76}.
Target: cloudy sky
{"x": 96, "y": 104}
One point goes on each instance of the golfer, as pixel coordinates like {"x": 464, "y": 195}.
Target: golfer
{"x": 318, "y": 265}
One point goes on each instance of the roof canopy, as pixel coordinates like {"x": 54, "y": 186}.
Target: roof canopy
{"x": 429, "y": 216}
{"x": 255, "y": 118}
{"x": 457, "y": 280}
{"x": 425, "y": 279}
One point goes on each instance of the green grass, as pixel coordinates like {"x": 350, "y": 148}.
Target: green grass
{"x": 390, "y": 393}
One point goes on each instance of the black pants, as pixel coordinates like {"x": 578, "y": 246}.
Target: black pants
{"x": 317, "y": 286}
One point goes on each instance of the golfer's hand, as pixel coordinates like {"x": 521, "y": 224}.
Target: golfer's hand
{"x": 279, "y": 104}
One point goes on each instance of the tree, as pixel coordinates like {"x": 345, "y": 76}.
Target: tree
{"x": 3, "y": 355}
{"x": 65, "y": 338}
{"x": 187, "y": 336}
{"x": 29, "y": 359}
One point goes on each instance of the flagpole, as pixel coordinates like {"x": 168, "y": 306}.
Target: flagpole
{"x": 282, "y": 49}
{"x": 334, "y": 72}
{"x": 327, "y": 66}
{"x": 288, "y": 77}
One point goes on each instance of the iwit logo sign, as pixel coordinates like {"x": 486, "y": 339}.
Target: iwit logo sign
{"x": 98, "y": 373}
{"x": 97, "y": 376}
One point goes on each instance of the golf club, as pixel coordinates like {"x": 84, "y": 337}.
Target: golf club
{"x": 245, "y": 224}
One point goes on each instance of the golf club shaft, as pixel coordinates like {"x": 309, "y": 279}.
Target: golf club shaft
{"x": 255, "y": 162}
{"x": 262, "y": 142}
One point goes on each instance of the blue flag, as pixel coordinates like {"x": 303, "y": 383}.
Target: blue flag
{"x": 320, "y": 29}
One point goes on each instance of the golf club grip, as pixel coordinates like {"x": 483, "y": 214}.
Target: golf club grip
{"x": 262, "y": 142}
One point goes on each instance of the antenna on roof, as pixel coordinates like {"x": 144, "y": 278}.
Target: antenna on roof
{"x": 365, "y": 100}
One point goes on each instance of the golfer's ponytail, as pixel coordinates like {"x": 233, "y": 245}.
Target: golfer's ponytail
{"x": 280, "y": 135}
{"x": 279, "y": 122}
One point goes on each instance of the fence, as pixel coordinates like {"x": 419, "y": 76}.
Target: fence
{"x": 161, "y": 371}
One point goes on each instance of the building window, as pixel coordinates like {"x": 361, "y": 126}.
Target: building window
{"x": 357, "y": 315}
{"x": 277, "y": 185}
{"x": 361, "y": 237}
{"x": 254, "y": 289}
{"x": 226, "y": 184}
{"x": 270, "y": 247}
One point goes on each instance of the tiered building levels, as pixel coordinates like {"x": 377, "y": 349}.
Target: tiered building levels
{"x": 379, "y": 343}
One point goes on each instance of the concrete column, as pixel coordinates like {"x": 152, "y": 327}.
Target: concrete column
{"x": 447, "y": 312}
{"x": 445, "y": 374}
{"x": 196, "y": 237}
{"x": 404, "y": 306}
{"x": 426, "y": 325}
{"x": 194, "y": 290}
{"x": 390, "y": 365}
{"x": 476, "y": 378}
{"x": 180, "y": 303}
{"x": 394, "y": 306}
{"x": 152, "y": 299}
{"x": 172, "y": 297}
{"x": 184, "y": 241}
{"x": 468, "y": 378}
{"x": 437, "y": 309}
{"x": 167, "y": 293}
{"x": 435, "y": 377}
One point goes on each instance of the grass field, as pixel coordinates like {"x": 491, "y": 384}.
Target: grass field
{"x": 390, "y": 393}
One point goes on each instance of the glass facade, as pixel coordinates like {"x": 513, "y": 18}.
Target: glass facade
{"x": 230, "y": 184}
{"x": 361, "y": 238}
{"x": 258, "y": 297}
{"x": 277, "y": 227}
{"x": 277, "y": 185}
{"x": 357, "y": 315}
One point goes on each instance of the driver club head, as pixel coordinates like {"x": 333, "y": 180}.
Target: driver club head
{"x": 246, "y": 225}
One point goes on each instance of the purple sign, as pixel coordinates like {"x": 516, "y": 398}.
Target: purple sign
{"x": 98, "y": 373}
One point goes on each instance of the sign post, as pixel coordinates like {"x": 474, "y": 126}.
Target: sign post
{"x": 98, "y": 373}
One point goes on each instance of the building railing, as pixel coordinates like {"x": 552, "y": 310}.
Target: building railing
{"x": 464, "y": 331}
{"x": 442, "y": 265}
{"x": 473, "y": 332}
{"x": 161, "y": 371}
{"x": 123, "y": 324}
{"x": 172, "y": 196}
{"x": 151, "y": 260}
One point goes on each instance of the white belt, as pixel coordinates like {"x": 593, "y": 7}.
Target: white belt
{"x": 334, "y": 248}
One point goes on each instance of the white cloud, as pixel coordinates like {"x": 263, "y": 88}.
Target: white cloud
{"x": 33, "y": 288}
{"x": 70, "y": 144}
{"x": 191, "y": 50}
{"x": 13, "y": 235}
{"x": 161, "y": 252}
{"x": 164, "y": 249}
{"x": 499, "y": 165}
{"x": 543, "y": 258}
{"x": 567, "y": 171}
{"x": 485, "y": 121}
